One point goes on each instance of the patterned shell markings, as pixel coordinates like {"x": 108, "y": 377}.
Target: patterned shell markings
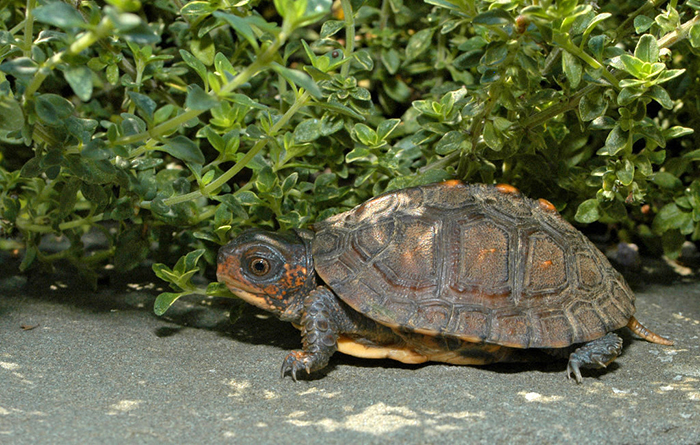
{"x": 475, "y": 262}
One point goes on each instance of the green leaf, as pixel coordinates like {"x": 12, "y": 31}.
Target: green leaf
{"x": 68, "y": 198}
{"x": 492, "y": 137}
{"x": 60, "y": 15}
{"x": 391, "y": 60}
{"x": 360, "y": 154}
{"x": 642, "y": 23}
{"x": 670, "y": 217}
{"x": 493, "y": 17}
{"x": 204, "y": 50}
{"x": 195, "y": 64}
{"x": 165, "y": 300}
{"x": 330, "y": 27}
{"x": 299, "y": 78}
{"x": 387, "y": 127}
{"x": 266, "y": 180}
{"x": 32, "y": 168}
{"x": 131, "y": 249}
{"x": 595, "y": 21}
{"x": 364, "y": 59}
{"x": 615, "y": 142}
{"x": 240, "y": 25}
{"x": 661, "y": 96}
{"x": 131, "y": 28}
{"x": 632, "y": 65}
{"x": 184, "y": 149}
{"x": 628, "y": 95}
{"x": 52, "y": 108}
{"x": 190, "y": 260}
{"x": 196, "y": 10}
{"x": 80, "y": 80}
{"x": 588, "y": 211}
{"x": 450, "y": 142}
{"x": 307, "y": 131}
{"x": 418, "y": 43}
{"x": 144, "y": 103}
{"x": 217, "y": 289}
{"x": 365, "y": 134}
{"x": 231, "y": 202}
{"x": 572, "y": 68}
{"x": 694, "y": 36}
{"x": 11, "y": 115}
{"x": 677, "y": 132}
{"x": 626, "y": 174}
{"x": 592, "y": 106}
{"x": 197, "y": 99}
{"x": 19, "y": 67}
{"x": 665, "y": 180}
{"x": 647, "y": 49}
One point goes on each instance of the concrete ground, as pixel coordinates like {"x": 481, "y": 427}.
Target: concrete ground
{"x": 83, "y": 366}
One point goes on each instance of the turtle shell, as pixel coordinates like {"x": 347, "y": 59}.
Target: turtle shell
{"x": 479, "y": 263}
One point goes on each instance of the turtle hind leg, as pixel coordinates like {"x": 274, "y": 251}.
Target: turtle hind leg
{"x": 637, "y": 328}
{"x": 595, "y": 354}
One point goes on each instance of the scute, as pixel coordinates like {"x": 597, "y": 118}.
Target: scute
{"x": 471, "y": 262}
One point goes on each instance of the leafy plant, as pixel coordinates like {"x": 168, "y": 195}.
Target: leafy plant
{"x": 170, "y": 127}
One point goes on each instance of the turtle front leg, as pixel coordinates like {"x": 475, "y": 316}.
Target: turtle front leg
{"x": 596, "y": 354}
{"x": 319, "y": 331}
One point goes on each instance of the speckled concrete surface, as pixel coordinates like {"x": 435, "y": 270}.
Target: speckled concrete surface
{"x": 99, "y": 367}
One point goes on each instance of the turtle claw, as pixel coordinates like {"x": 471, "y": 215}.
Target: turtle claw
{"x": 295, "y": 362}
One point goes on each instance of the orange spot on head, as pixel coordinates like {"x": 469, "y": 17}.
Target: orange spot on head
{"x": 546, "y": 205}
{"x": 507, "y": 188}
{"x": 452, "y": 183}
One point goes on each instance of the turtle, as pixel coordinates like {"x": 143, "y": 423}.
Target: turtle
{"x": 467, "y": 274}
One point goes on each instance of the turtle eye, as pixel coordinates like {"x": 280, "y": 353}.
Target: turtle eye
{"x": 259, "y": 266}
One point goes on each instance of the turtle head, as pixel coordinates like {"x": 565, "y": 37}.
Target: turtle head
{"x": 273, "y": 271}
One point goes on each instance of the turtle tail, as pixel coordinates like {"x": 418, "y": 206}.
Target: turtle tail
{"x": 646, "y": 334}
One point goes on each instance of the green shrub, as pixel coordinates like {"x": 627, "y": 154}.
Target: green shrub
{"x": 170, "y": 127}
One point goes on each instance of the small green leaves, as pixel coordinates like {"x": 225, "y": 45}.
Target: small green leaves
{"x": 179, "y": 278}
{"x": 181, "y": 128}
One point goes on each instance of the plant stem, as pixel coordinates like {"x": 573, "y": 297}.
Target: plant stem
{"x": 679, "y": 34}
{"x": 349, "y": 34}
{"x": 29, "y": 28}
{"x": 38, "y": 228}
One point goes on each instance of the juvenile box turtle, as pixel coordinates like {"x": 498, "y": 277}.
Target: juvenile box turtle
{"x": 449, "y": 272}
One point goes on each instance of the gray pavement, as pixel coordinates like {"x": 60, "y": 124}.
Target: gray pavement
{"x": 84, "y": 366}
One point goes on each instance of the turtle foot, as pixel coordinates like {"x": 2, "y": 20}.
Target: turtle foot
{"x": 295, "y": 362}
{"x": 596, "y": 354}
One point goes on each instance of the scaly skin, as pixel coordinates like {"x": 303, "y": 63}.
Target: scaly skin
{"x": 319, "y": 331}
{"x": 596, "y": 354}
